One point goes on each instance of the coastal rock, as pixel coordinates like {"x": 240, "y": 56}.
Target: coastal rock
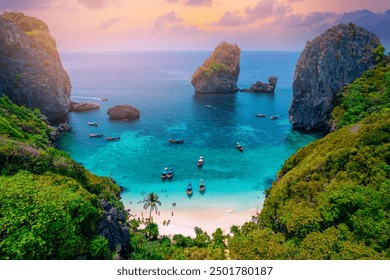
{"x": 219, "y": 73}
{"x": 83, "y": 106}
{"x": 113, "y": 226}
{"x": 123, "y": 112}
{"x": 333, "y": 59}
{"x": 31, "y": 71}
{"x": 263, "y": 87}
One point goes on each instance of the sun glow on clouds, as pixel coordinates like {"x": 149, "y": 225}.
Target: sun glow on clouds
{"x": 189, "y": 24}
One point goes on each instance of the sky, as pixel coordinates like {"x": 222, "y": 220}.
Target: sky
{"x": 132, "y": 25}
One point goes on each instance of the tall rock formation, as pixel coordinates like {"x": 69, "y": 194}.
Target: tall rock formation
{"x": 31, "y": 71}
{"x": 333, "y": 59}
{"x": 219, "y": 73}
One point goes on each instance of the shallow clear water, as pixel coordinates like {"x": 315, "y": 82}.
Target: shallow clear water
{"x": 158, "y": 84}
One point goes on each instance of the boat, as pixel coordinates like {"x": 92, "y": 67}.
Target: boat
{"x": 202, "y": 186}
{"x": 164, "y": 173}
{"x": 239, "y": 147}
{"x": 103, "y": 99}
{"x": 200, "y": 161}
{"x": 274, "y": 117}
{"x": 208, "y": 106}
{"x": 112, "y": 138}
{"x": 260, "y": 115}
{"x": 95, "y": 135}
{"x": 180, "y": 141}
{"x": 189, "y": 188}
{"x": 92, "y": 124}
{"x": 170, "y": 173}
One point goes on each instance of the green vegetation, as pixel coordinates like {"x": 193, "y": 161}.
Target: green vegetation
{"x": 49, "y": 205}
{"x": 151, "y": 201}
{"x": 366, "y": 95}
{"x": 223, "y": 60}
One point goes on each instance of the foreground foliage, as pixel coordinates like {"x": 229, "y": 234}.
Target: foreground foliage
{"x": 49, "y": 205}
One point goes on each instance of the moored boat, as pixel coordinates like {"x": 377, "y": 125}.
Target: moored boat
{"x": 108, "y": 138}
{"x": 260, "y": 115}
{"x": 274, "y": 117}
{"x": 180, "y": 141}
{"x": 95, "y": 135}
{"x": 200, "y": 161}
{"x": 170, "y": 173}
{"x": 164, "y": 173}
{"x": 189, "y": 188}
{"x": 202, "y": 186}
{"x": 239, "y": 147}
{"x": 92, "y": 124}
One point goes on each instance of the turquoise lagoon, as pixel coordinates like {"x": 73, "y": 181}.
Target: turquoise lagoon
{"x": 158, "y": 84}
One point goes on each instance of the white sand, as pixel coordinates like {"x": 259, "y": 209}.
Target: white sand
{"x": 184, "y": 221}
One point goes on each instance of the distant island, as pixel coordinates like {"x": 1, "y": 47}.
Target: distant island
{"x": 261, "y": 87}
{"x": 220, "y": 71}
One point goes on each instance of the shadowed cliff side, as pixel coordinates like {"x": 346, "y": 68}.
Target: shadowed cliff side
{"x": 31, "y": 71}
{"x": 330, "y": 61}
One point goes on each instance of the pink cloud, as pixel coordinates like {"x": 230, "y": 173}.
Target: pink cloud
{"x": 194, "y": 3}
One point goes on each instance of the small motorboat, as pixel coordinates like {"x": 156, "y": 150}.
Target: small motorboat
{"x": 95, "y": 135}
{"x": 103, "y": 99}
{"x": 164, "y": 173}
{"x": 274, "y": 117}
{"x": 209, "y": 106}
{"x": 92, "y": 124}
{"x": 189, "y": 188}
{"x": 200, "y": 161}
{"x": 170, "y": 173}
{"x": 239, "y": 147}
{"x": 202, "y": 186}
{"x": 260, "y": 115}
{"x": 108, "y": 138}
{"x": 181, "y": 141}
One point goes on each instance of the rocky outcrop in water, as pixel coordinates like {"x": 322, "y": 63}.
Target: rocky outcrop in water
{"x": 83, "y": 106}
{"x": 333, "y": 59}
{"x": 219, "y": 73}
{"x": 263, "y": 87}
{"x": 31, "y": 71}
{"x": 123, "y": 112}
{"x": 113, "y": 226}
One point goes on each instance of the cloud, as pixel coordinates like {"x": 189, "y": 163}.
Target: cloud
{"x": 96, "y": 4}
{"x": 262, "y": 9}
{"x": 109, "y": 22}
{"x": 168, "y": 20}
{"x": 231, "y": 19}
{"x": 194, "y": 3}
{"x": 23, "y": 4}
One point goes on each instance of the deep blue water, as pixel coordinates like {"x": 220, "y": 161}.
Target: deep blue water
{"x": 158, "y": 84}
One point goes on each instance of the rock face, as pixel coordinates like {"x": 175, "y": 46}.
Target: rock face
{"x": 83, "y": 106}
{"x": 123, "y": 112}
{"x": 328, "y": 62}
{"x": 219, "y": 73}
{"x": 113, "y": 226}
{"x": 263, "y": 87}
{"x": 31, "y": 71}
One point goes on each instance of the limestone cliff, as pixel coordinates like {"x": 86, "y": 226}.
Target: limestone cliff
{"x": 31, "y": 71}
{"x": 333, "y": 59}
{"x": 219, "y": 73}
{"x": 263, "y": 87}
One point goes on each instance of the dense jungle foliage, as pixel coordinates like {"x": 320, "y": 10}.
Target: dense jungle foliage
{"x": 49, "y": 205}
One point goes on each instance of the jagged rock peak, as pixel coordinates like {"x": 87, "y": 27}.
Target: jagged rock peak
{"x": 31, "y": 72}
{"x": 263, "y": 87}
{"x": 331, "y": 60}
{"x": 219, "y": 72}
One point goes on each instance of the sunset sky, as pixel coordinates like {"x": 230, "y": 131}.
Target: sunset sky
{"x": 120, "y": 25}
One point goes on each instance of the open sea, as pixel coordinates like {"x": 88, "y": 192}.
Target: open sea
{"x": 159, "y": 85}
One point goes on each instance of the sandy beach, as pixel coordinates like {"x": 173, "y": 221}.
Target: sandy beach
{"x": 183, "y": 221}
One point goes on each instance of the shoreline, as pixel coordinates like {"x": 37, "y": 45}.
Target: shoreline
{"x": 184, "y": 220}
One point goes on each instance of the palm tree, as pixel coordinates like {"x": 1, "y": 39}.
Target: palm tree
{"x": 151, "y": 200}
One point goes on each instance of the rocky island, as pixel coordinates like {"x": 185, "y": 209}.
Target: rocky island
{"x": 123, "y": 112}
{"x": 219, "y": 73}
{"x": 263, "y": 87}
{"x": 327, "y": 63}
{"x": 83, "y": 106}
{"x": 31, "y": 71}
